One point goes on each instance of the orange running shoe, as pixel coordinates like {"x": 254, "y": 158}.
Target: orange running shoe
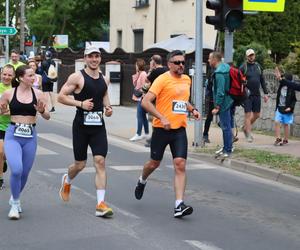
{"x": 65, "y": 189}
{"x": 102, "y": 210}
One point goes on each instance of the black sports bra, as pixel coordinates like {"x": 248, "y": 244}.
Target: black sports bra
{"x": 26, "y": 109}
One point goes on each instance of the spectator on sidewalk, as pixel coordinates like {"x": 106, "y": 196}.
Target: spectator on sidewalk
{"x": 252, "y": 105}
{"x": 222, "y": 100}
{"x": 47, "y": 83}
{"x": 138, "y": 80}
{"x": 156, "y": 69}
{"x": 285, "y": 104}
{"x": 209, "y": 105}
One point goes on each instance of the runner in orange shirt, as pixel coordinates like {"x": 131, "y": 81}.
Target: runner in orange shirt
{"x": 171, "y": 91}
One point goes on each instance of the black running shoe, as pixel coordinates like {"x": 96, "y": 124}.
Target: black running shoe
{"x": 139, "y": 190}
{"x": 182, "y": 210}
{"x": 4, "y": 167}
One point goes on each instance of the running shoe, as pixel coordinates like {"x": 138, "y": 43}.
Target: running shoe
{"x": 277, "y": 142}
{"x": 284, "y": 142}
{"x": 182, "y": 210}
{"x": 4, "y": 166}
{"x": 136, "y": 137}
{"x": 102, "y": 210}
{"x": 139, "y": 190}
{"x": 11, "y": 201}
{"x": 65, "y": 189}
{"x": 14, "y": 213}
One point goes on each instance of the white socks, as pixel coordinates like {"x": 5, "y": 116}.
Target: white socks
{"x": 100, "y": 195}
{"x": 68, "y": 180}
{"x": 177, "y": 202}
{"x": 142, "y": 181}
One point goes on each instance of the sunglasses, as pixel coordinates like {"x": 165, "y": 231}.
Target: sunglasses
{"x": 178, "y": 62}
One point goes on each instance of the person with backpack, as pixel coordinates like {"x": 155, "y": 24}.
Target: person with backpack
{"x": 252, "y": 105}
{"x": 222, "y": 100}
{"x": 48, "y": 81}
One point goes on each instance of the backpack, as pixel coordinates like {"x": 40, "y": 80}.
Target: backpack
{"x": 237, "y": 88}
{"x": 49, "y": 73}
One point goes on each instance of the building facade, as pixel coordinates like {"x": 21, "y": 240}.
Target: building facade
{"x": 137, "y": 24}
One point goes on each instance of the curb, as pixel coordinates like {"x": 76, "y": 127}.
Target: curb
{"x": 252, "y": 168}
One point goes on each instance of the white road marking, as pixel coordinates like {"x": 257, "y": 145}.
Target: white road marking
{"x": 43, "y": 173}
{"x": 196, "y": 166}
{"x": 65, "y": 170}
{"x": 58, "y": 139}
{"x": 44, "y": 151}
{"x": 131, "y": 146}
{"x": 67, "y": 142}
{"x": 126, "y": 168}
{"x": 115, "y": 208}
{"x": 202, "y": 245}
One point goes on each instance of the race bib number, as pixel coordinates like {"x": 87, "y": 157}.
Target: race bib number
{"x": 179, "y": 107}
{"x": 93, "y": 118}
{"x": 23, "y": 130}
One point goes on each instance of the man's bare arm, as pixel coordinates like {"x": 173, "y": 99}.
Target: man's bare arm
{"x": 67, "y": 89}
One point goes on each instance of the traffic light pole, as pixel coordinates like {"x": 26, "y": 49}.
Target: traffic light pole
{"x": 198, "y": 72}
{"x": 7, "y": 37}
{"x": 228, "y": 51}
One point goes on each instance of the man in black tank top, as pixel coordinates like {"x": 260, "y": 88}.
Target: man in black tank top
{"x": 91, "y": 100}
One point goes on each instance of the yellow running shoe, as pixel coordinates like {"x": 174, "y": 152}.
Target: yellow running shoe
{"x": 102, "y": 210}
{"x": 65, "y": 189}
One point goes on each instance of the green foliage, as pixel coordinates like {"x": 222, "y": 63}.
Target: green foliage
{"x": 276, "y": 31}
{"x": 261, "y": 52}
{"x": 82, "y": 20}
{"x": 292, "y": 62}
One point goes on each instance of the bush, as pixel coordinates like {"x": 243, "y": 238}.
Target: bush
{"x": 292, "y": 62}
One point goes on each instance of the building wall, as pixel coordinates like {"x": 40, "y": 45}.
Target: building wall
{"x": 173, "y": 18}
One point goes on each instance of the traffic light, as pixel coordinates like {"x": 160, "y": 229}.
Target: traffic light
{"x": 233, "y": 14}
{"x": 217, "y": 20}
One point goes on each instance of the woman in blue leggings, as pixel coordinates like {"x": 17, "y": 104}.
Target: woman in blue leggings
{"x": 20, "y": 142}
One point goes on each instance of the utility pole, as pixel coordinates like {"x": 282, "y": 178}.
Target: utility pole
{"x": 7, "y": 37}
{"x": 22, "y": 26}
{"x": 199, "y": 74}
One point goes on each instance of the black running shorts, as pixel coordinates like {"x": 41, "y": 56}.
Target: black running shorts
{"x": 252, "y": 104}
{"x": 2, "y": 134}
{"x": 176, "y": 138}
{"x": 84, "y": 136}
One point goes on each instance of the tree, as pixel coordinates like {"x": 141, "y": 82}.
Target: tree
{"x": 276, "y": 31}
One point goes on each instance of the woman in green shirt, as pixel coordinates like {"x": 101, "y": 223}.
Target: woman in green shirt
{"x": 7, "y": 74}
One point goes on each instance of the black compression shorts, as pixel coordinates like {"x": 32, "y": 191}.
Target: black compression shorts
{"x": 84, "y": 136}
{"x": 176, "y": 138}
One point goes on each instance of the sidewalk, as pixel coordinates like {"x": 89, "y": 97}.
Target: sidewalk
{"x": 123, "y": 124}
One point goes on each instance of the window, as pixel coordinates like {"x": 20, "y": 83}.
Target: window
{"x": 119, "y": 38}
{"x": 138, "y": 40}
{"x": 141, "y": 3}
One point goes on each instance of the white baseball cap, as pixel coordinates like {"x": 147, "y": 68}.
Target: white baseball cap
{"x": 250, "y": 52}
{"x": 91, "y": 49}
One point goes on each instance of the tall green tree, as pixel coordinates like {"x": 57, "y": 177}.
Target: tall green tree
{"x": 276, "y": 31}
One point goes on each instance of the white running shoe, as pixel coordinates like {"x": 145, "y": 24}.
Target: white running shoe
{"x": 18, "y": 204}
{"x": 136, "y": 137}
{"x": 147, "y": 136}
{"x": 14, "y": 211}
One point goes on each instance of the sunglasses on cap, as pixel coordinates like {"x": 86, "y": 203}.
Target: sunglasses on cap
{"x": 178, "y": 62}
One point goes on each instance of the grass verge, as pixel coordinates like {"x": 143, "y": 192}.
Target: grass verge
{"x": 283, "y": 162}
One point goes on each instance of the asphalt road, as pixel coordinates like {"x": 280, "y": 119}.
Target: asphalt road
{"x": 232, "y": 210}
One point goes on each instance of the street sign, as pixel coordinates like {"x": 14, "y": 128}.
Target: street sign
{"x": 264, "y": 5}
{"x": 7, "y": 31}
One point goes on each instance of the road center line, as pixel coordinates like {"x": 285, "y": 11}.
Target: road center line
{"x": 202, "y": 245}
